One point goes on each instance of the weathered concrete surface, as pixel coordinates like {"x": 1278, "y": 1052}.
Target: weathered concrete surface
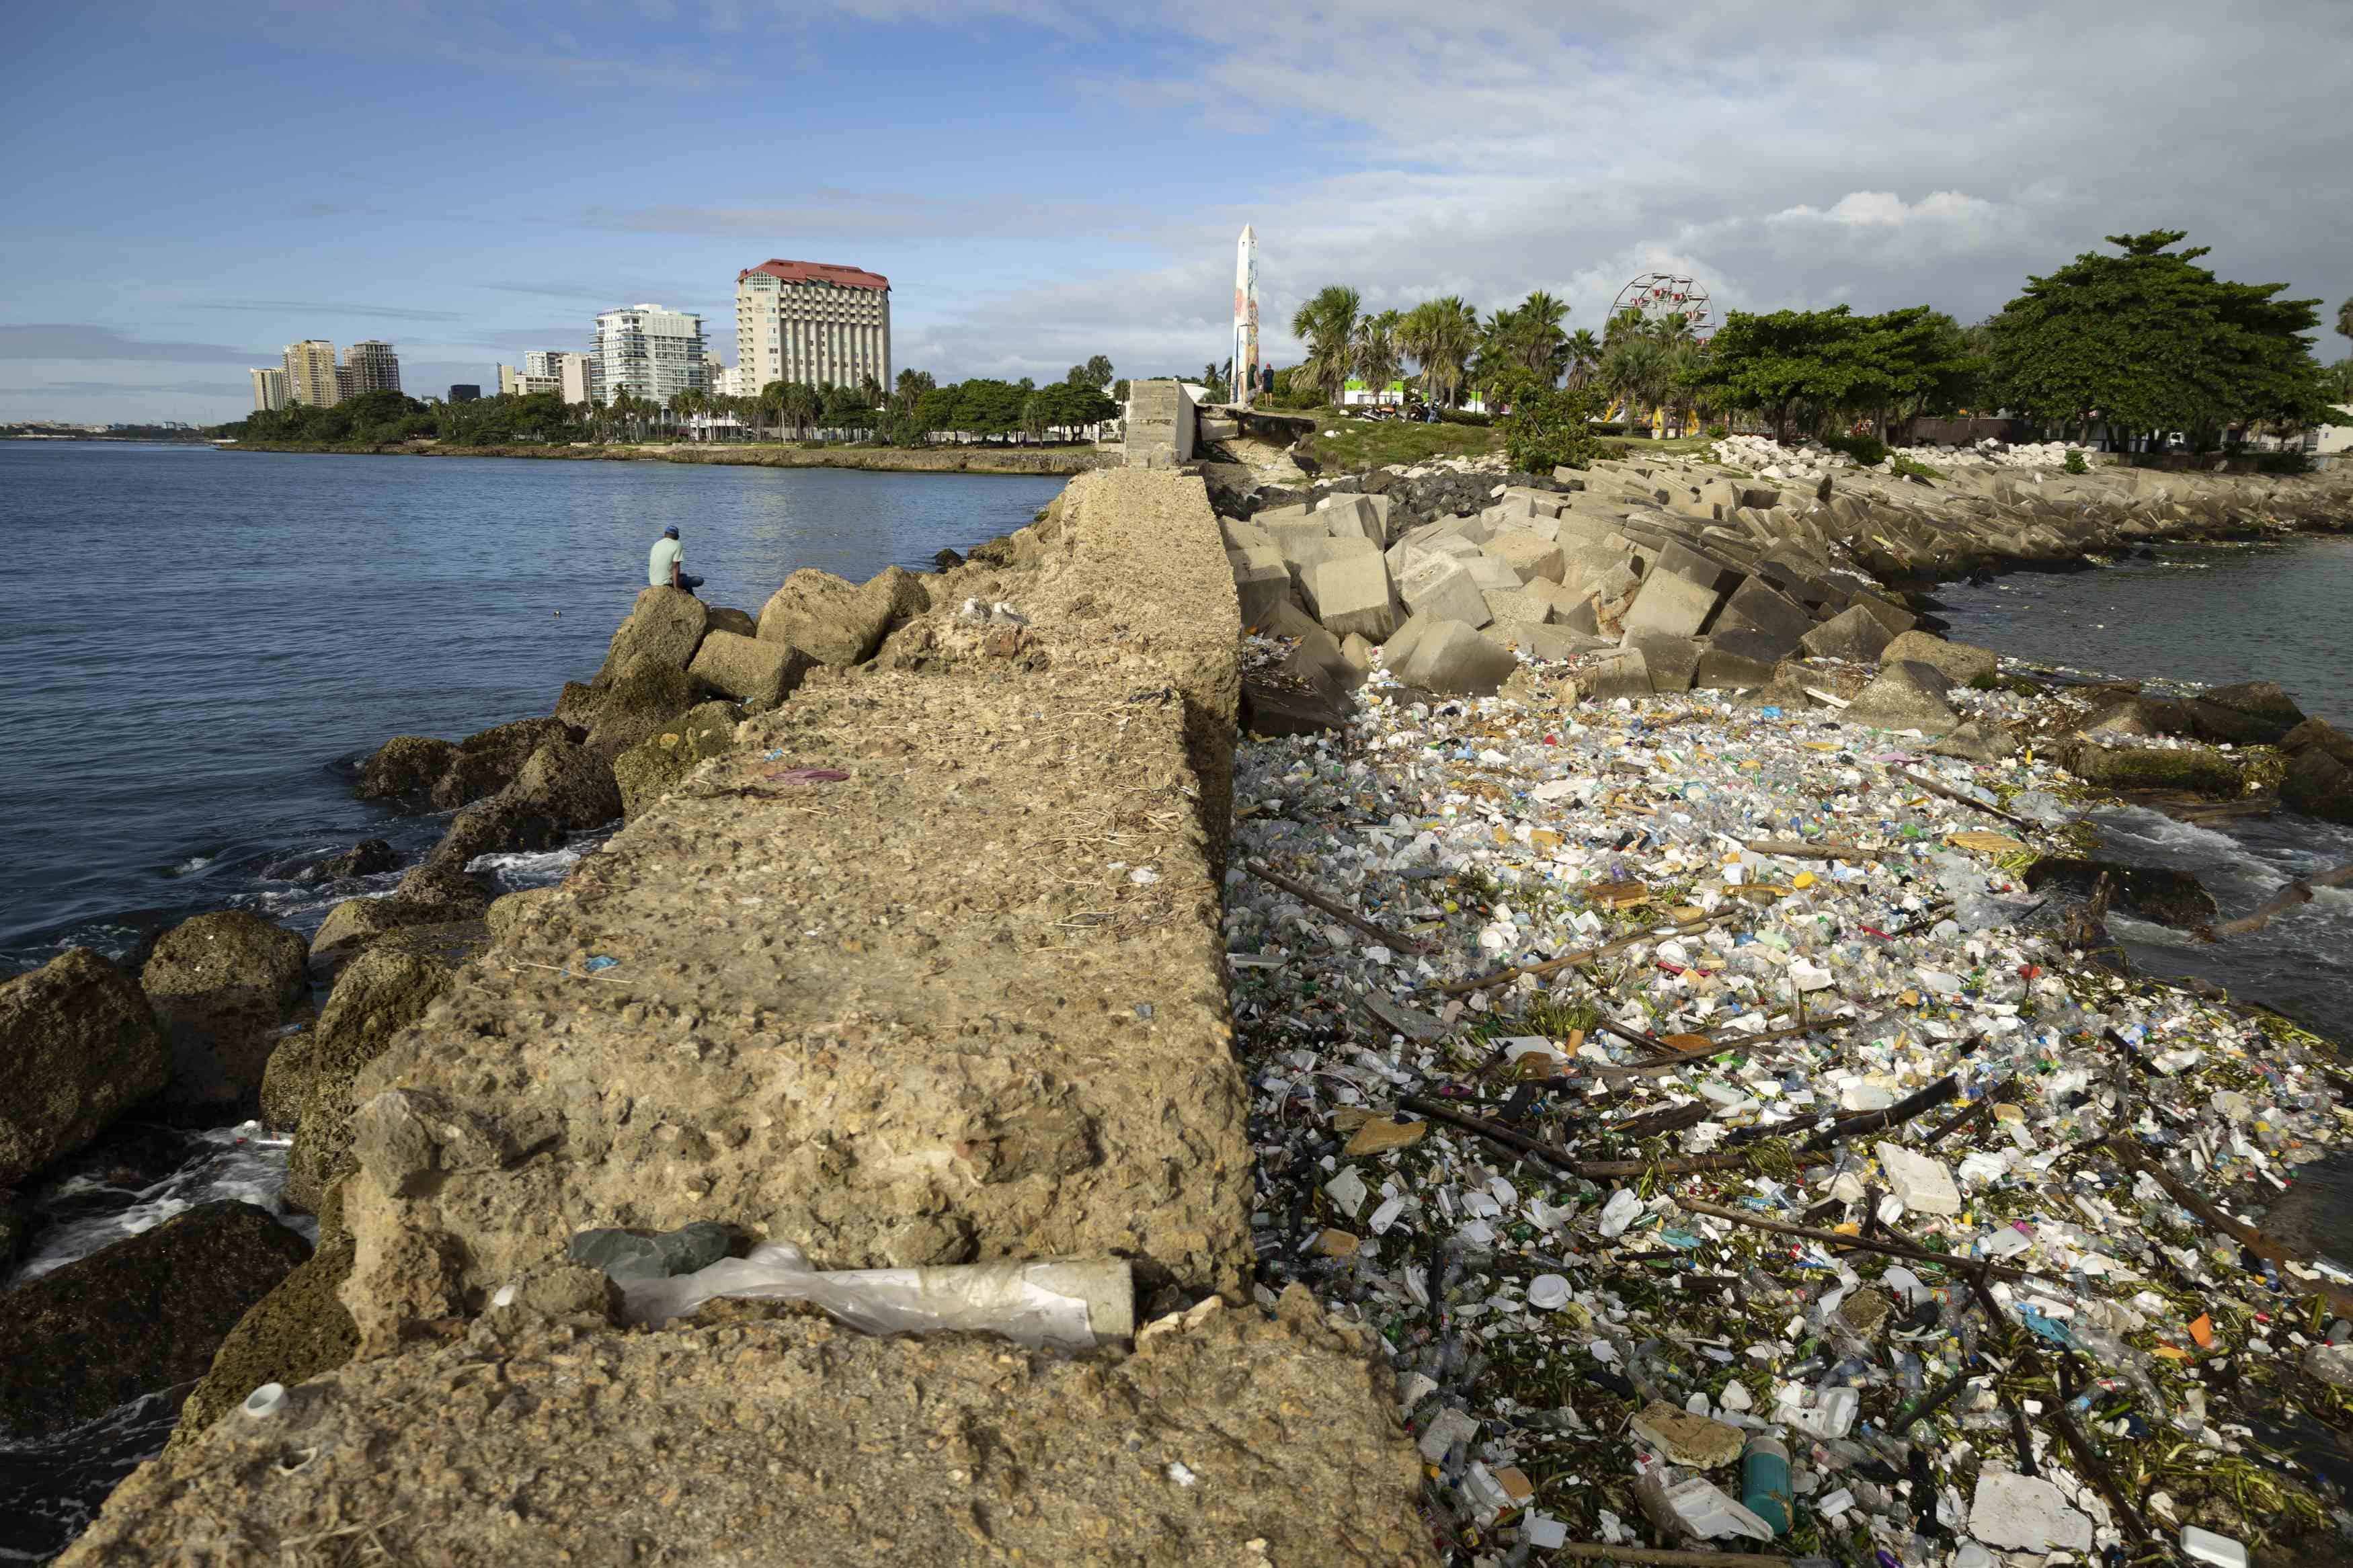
{"x": 967, "y": 1001}
{"x": 792, "y": 1441}
{"x": 915, "y": 1015}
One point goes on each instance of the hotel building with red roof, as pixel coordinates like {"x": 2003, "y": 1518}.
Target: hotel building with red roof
{"x": 811, "y": 321}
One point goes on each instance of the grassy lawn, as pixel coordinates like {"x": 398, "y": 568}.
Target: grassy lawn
{"x": 1364, "y": 444}
{"x": 1637, "y": 448}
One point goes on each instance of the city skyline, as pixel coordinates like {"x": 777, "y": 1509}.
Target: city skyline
{"x": 473, "y": 181}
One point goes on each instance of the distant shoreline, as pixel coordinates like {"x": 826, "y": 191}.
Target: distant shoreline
{"x": 1008, "y": 460}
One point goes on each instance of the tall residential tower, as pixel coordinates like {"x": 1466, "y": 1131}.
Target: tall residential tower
{"x": 648, "y": 351}
{"x": 372, "y": 366}
{"x": 310, "y": 372}
{"x": 811, "y": 321}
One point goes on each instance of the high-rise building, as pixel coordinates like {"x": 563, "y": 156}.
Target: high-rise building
{"x": 465, "y": 392}
{"x": 811, "y": 321}
{"x": 372, "y": 366}
{"x": 268, "y": 389}
{"x": 543, "y": 371}
{"x": 576, "y": 376}
{"x": 310, "y": 372}
{"x": 648, "y": 351}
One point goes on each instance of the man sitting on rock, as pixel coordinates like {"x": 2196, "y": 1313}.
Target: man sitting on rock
{"x": 663, "y": 566}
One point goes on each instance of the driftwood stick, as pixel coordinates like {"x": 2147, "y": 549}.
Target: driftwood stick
{"x": 1533, "y": 1148}
{"x": 1586, "y": 955}
{"x": 1799, "y": 850}
{"x": 1933, "y": 787}
{"x": 1833, "y": 1238}
{"x": 1338, "y": 912}
{"x": 1595, "y": 1550}
{"x": 2339, "y": 1297}
{"x": 2296, "y": 892}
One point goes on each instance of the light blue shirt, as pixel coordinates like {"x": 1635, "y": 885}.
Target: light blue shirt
{"x": 667, "y": 553}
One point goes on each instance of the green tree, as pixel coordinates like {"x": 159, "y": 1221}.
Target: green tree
{"x": 1327, "y": 325}
{"x": 2149, "y": 342}
{"x": 1377, "y": 360}
{"x": 1792, "y": 366}
{"x": 2345, "y": 321}
{"x": 1545, "y": 427}
{"x": 1583, "y": 353}
{"x": 1439, "y": 335}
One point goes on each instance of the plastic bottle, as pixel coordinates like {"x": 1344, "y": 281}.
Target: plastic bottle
{"x": 1764, "y": 1488}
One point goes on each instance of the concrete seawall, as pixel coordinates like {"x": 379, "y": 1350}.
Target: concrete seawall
{"x": 965, "y": 1002}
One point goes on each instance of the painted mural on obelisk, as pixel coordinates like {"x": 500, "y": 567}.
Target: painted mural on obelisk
{"x": 1243, "y": 378}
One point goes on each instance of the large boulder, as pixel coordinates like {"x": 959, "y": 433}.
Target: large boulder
{"x": 144, "y": 1316}
{"x": 2198, "y": 770}
{"x": 643, "y": 698}
{"x": 405, "y": 767}
{"x": 2252, "y": 713}
{"x": 2170, "y": 898}
{"x": 648, "y": 770}
{"x": 665, "y": 624}
{"x": 740, "y": 622}
{"x": 298, "y": 1331}
{"x": 222, "y": 984}
{"x": 830, "y": 619}
{"x": 487, "y": 763}
{"x": 750, "y": 671}
{"x": 79, "y": 1047}
{"x": 504, "y": 824}
{"x": 1961, "y": 663}
{"x": 368, "y": 857}
{"x": 1855, "y": 634}
{"x": 382, "y": 991}
{"x": 569, "y": 786}
{"x": 1904, "y": 696}
{"x": 433, "y": 894}
{"x": 2318, "y": 784}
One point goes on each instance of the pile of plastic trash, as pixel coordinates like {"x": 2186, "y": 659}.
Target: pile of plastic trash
{"x": 1733, "y": 1154}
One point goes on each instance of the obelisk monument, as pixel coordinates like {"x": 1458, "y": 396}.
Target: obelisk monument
{"x": 1244, "y": 376}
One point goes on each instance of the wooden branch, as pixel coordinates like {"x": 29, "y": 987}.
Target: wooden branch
{"x": 2296, "y": 892}
{"x": 1933, "y": 787}
{"x": 1533, "y": 1148}
{"x": 1338, "y": 912}
{"x": 2339, "y": 1297}
{"x": 1510, "y": 973}
{"x": 1798, "y": 850}
{"x": 1903, "y": 1249}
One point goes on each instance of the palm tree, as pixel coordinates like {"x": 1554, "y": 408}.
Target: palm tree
{"x": 1327, "y": 325}
{"x": 1536, "y": 335}
{"x": 2345, "y": 320}
{"x": 1635, "y": 371}
{"x": 1439, "y": 335}
{"x": 1582, "y": 352}
{"x": 803, "y": 404}
{"x": 1376, "y": 350}
{"x": 770, "y": 408}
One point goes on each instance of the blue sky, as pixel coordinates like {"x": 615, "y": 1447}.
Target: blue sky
{"x": 193, "y": 185}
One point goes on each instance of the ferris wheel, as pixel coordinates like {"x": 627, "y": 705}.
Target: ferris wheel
{"x": 1655, "y": 295}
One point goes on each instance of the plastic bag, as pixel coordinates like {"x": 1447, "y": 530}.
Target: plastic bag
{"x": 1067, "y": 1304}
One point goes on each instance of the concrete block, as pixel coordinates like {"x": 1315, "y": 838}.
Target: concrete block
{"x": 1262, "y": 582}
{"x": 1443, "y": 587}
{"x": 1528, "y": 556}
{"x": 1756, "y": 604}
{"x": 1584, "y": 565}
{"x": 1522, "y": 606}
{"x": 1557, "y": 600}
{"x": 1746, "y": 642}
{"x": 1673, "y": 604}
{"x": 1319, "y": 660}
{"x": 1273, "y": 515}
{"x": 1351, "y": 592}
{"x": 1292, "y": 536}
{"x": 1353, "y": 517}
{"x": 1894, "y": 618}
{"x": 1696, "y": 567}
{"x": 1720, "y": 670}
{"x": 1671, "y": 660}
{"x": 1541, "y": 641}
{"x": 1453, "y": 657}
{"x": 1491, "y": 573}
{"x": 748, "y": 669}
{"x": 1240, "y": 535}
{"x": 1960, "y": 662}
{"x": 1399, "y": 647}
{"x": 1475, "y": 528}
{"x": 1852, "y": 634}
{"x": 1626, "y": 675}
{"x": 1538, "y": 503}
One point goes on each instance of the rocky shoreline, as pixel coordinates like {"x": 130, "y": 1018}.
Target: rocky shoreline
{"x": 934, "y": 934}
{"x": 878, "y": 459}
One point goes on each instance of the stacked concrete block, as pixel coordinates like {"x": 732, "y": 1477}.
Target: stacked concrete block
{"x": 1262, "y": 581}
{"x": 1356, "y": 517}
{"x": 1443, "y": 587}
{"x": 1489, "y": 572}
{"x": 1450, "y": 657}
{"x": 1528, "y": 556}
{"x": 1523, "y": 606}
{"x": 1351, "y": 592}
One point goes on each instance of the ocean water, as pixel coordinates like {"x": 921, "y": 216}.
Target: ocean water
{"x": 200, "y": 644}
{"x": 2211, "y": 614}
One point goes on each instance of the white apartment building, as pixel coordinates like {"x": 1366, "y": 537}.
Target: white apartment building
{"x": 310, "y": 373}
{"x": 648, "y": 351}
{"x": 370, "y": 365}
{"x": 539, "y": 372}
{"x": 268, "y": 389}
{"x": 811, "y": 321}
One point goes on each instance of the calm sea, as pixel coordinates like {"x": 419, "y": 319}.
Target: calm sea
{"x": 199, "y": 641}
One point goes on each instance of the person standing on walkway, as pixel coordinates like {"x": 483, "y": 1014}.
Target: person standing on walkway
{"x": 665, "y": 566}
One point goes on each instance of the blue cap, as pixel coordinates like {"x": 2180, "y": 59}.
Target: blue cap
{"x": 669, "y": 532}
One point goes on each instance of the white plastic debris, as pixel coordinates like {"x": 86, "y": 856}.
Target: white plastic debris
{"x": 2026, "y": 1513}
{"x": 1696, "y": 1506}
{"x": 1547, "y": 1292}
{"x": 1923, "y": 1184}
{"x": 2205, "y": 1546}
{"x": 1619, "y": 1212}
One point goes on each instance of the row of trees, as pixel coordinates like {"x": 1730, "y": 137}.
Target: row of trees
{"x": 2146, "y": 343}
{"x": 916, "y": 411}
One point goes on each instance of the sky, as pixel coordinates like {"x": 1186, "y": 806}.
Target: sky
{"x": 190, "y": 186}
